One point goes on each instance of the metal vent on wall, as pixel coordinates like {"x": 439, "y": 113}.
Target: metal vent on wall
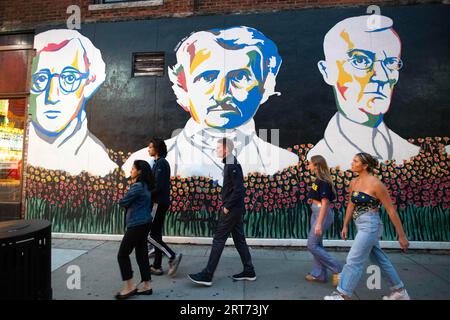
{"x": 148, "y": 64}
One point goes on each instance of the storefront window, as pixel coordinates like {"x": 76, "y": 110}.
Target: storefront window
{"x": 12, "y": 123}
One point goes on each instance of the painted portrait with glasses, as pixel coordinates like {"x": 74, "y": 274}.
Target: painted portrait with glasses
{"x": 362, "y": 65}
{"x": 66, "y": 72}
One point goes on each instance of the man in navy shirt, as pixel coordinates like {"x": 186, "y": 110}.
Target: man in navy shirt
{"x": 231, "y": 219}
{"x": 161, "y": 198}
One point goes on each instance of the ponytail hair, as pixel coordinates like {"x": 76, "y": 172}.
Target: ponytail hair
{"x": 146, "y": 176}
{"x": 368, "y": 159}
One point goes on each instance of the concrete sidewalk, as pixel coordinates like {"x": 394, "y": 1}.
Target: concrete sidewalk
{"x": 280, "y": 274}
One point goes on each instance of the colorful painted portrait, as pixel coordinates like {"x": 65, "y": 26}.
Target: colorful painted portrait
{"x": 362, "y": 64}
{"x": 66, "y": 72}
{"x": 222, "y": 76}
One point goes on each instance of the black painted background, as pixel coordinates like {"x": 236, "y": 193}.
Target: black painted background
{"x": 126, "y": 112}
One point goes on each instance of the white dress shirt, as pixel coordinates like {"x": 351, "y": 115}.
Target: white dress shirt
{"x": 192, "y": 152}
{"x": 343, "y": 138}
{"x": 74, "y": 150}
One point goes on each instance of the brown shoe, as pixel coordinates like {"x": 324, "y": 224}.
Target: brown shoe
{"x": 173, "y": 264}
{"x": 156, "y": 272}
{"x": 313, "y": 279}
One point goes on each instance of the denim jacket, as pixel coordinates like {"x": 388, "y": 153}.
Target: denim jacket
{"x": 138, "y": 204}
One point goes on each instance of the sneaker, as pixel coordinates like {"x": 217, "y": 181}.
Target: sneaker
{"x": 335, "y": 280}
{"x": 398, "y": 295}
{"x": 151, "y": 252}
{"x": 156, "y": 271}
{"x": 173, "y": 264}
{"x": 311, "y": 278}
{"x": 246, "y": 275}
{"x": 200, "y": 278}
{"x": 334, "y": 296}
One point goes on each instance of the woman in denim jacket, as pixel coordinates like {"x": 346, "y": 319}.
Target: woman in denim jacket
{"x": 138, "y": 203}
{"x": 367, "y": 193}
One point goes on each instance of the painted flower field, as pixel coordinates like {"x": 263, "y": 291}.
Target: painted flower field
{"x": 276, "y": 206}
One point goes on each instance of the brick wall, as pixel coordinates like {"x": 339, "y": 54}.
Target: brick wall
{"x": 28, "y": 14}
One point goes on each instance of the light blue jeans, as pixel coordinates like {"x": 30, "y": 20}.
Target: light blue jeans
{"x": 366, "y": 245}
{"x": 322, "y": 259}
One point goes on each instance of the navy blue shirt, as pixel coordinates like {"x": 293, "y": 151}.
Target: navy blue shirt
{"x": 233, "y": 190}
{"x": 321, "y": 189}
{"x": 161, "y": 170}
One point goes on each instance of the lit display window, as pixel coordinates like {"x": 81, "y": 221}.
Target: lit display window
{"x": 12, "y": 120}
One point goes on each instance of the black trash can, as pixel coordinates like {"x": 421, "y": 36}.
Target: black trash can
{"x": 25, "y": 260}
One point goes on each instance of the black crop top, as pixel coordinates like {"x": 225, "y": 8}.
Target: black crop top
{"x": 321, "y": 189}
{"x": 363, "y": 202}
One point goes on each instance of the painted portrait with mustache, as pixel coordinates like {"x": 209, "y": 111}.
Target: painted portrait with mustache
{"x": 227, "y": 77}
{"x": 221, "y": 78}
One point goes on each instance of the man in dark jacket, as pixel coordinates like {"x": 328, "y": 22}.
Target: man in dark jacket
{"x": 161, "y": 198}
{"x": 231, "y": 219}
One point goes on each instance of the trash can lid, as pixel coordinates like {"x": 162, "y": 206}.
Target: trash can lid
{"x": 17, "y": 228}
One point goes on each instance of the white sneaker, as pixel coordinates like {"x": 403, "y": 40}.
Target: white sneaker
{"x": 398, "y": 295}
{"x": 334, "y": 296}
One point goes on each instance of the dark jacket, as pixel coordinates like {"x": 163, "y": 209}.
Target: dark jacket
{"x": 137, "y": 201}
{"x": 161, "y": 170}
{"x": 233, "y": 191}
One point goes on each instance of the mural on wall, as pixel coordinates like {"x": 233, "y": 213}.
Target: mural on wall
{"x": 221, "y": 78}
{"x": 362, "y": 65}
{"x": 66, "y": 72}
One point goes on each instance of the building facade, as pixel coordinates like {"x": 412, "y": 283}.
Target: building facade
{"x": 285, "y": 80}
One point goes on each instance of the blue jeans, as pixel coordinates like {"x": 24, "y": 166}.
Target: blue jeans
{"x": 366, "y": 245}
{"x": 322, "y": 259}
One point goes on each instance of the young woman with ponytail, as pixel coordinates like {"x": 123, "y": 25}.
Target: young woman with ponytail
{"x": 367, "y": 193}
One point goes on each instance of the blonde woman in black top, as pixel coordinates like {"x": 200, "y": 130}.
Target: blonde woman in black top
{"x": 321, "y": 193}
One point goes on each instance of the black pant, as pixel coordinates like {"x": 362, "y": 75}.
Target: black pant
{"x": 134, "y": 238}
{"x": 232, "y": 222}
{"x": 156, "y": 236}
